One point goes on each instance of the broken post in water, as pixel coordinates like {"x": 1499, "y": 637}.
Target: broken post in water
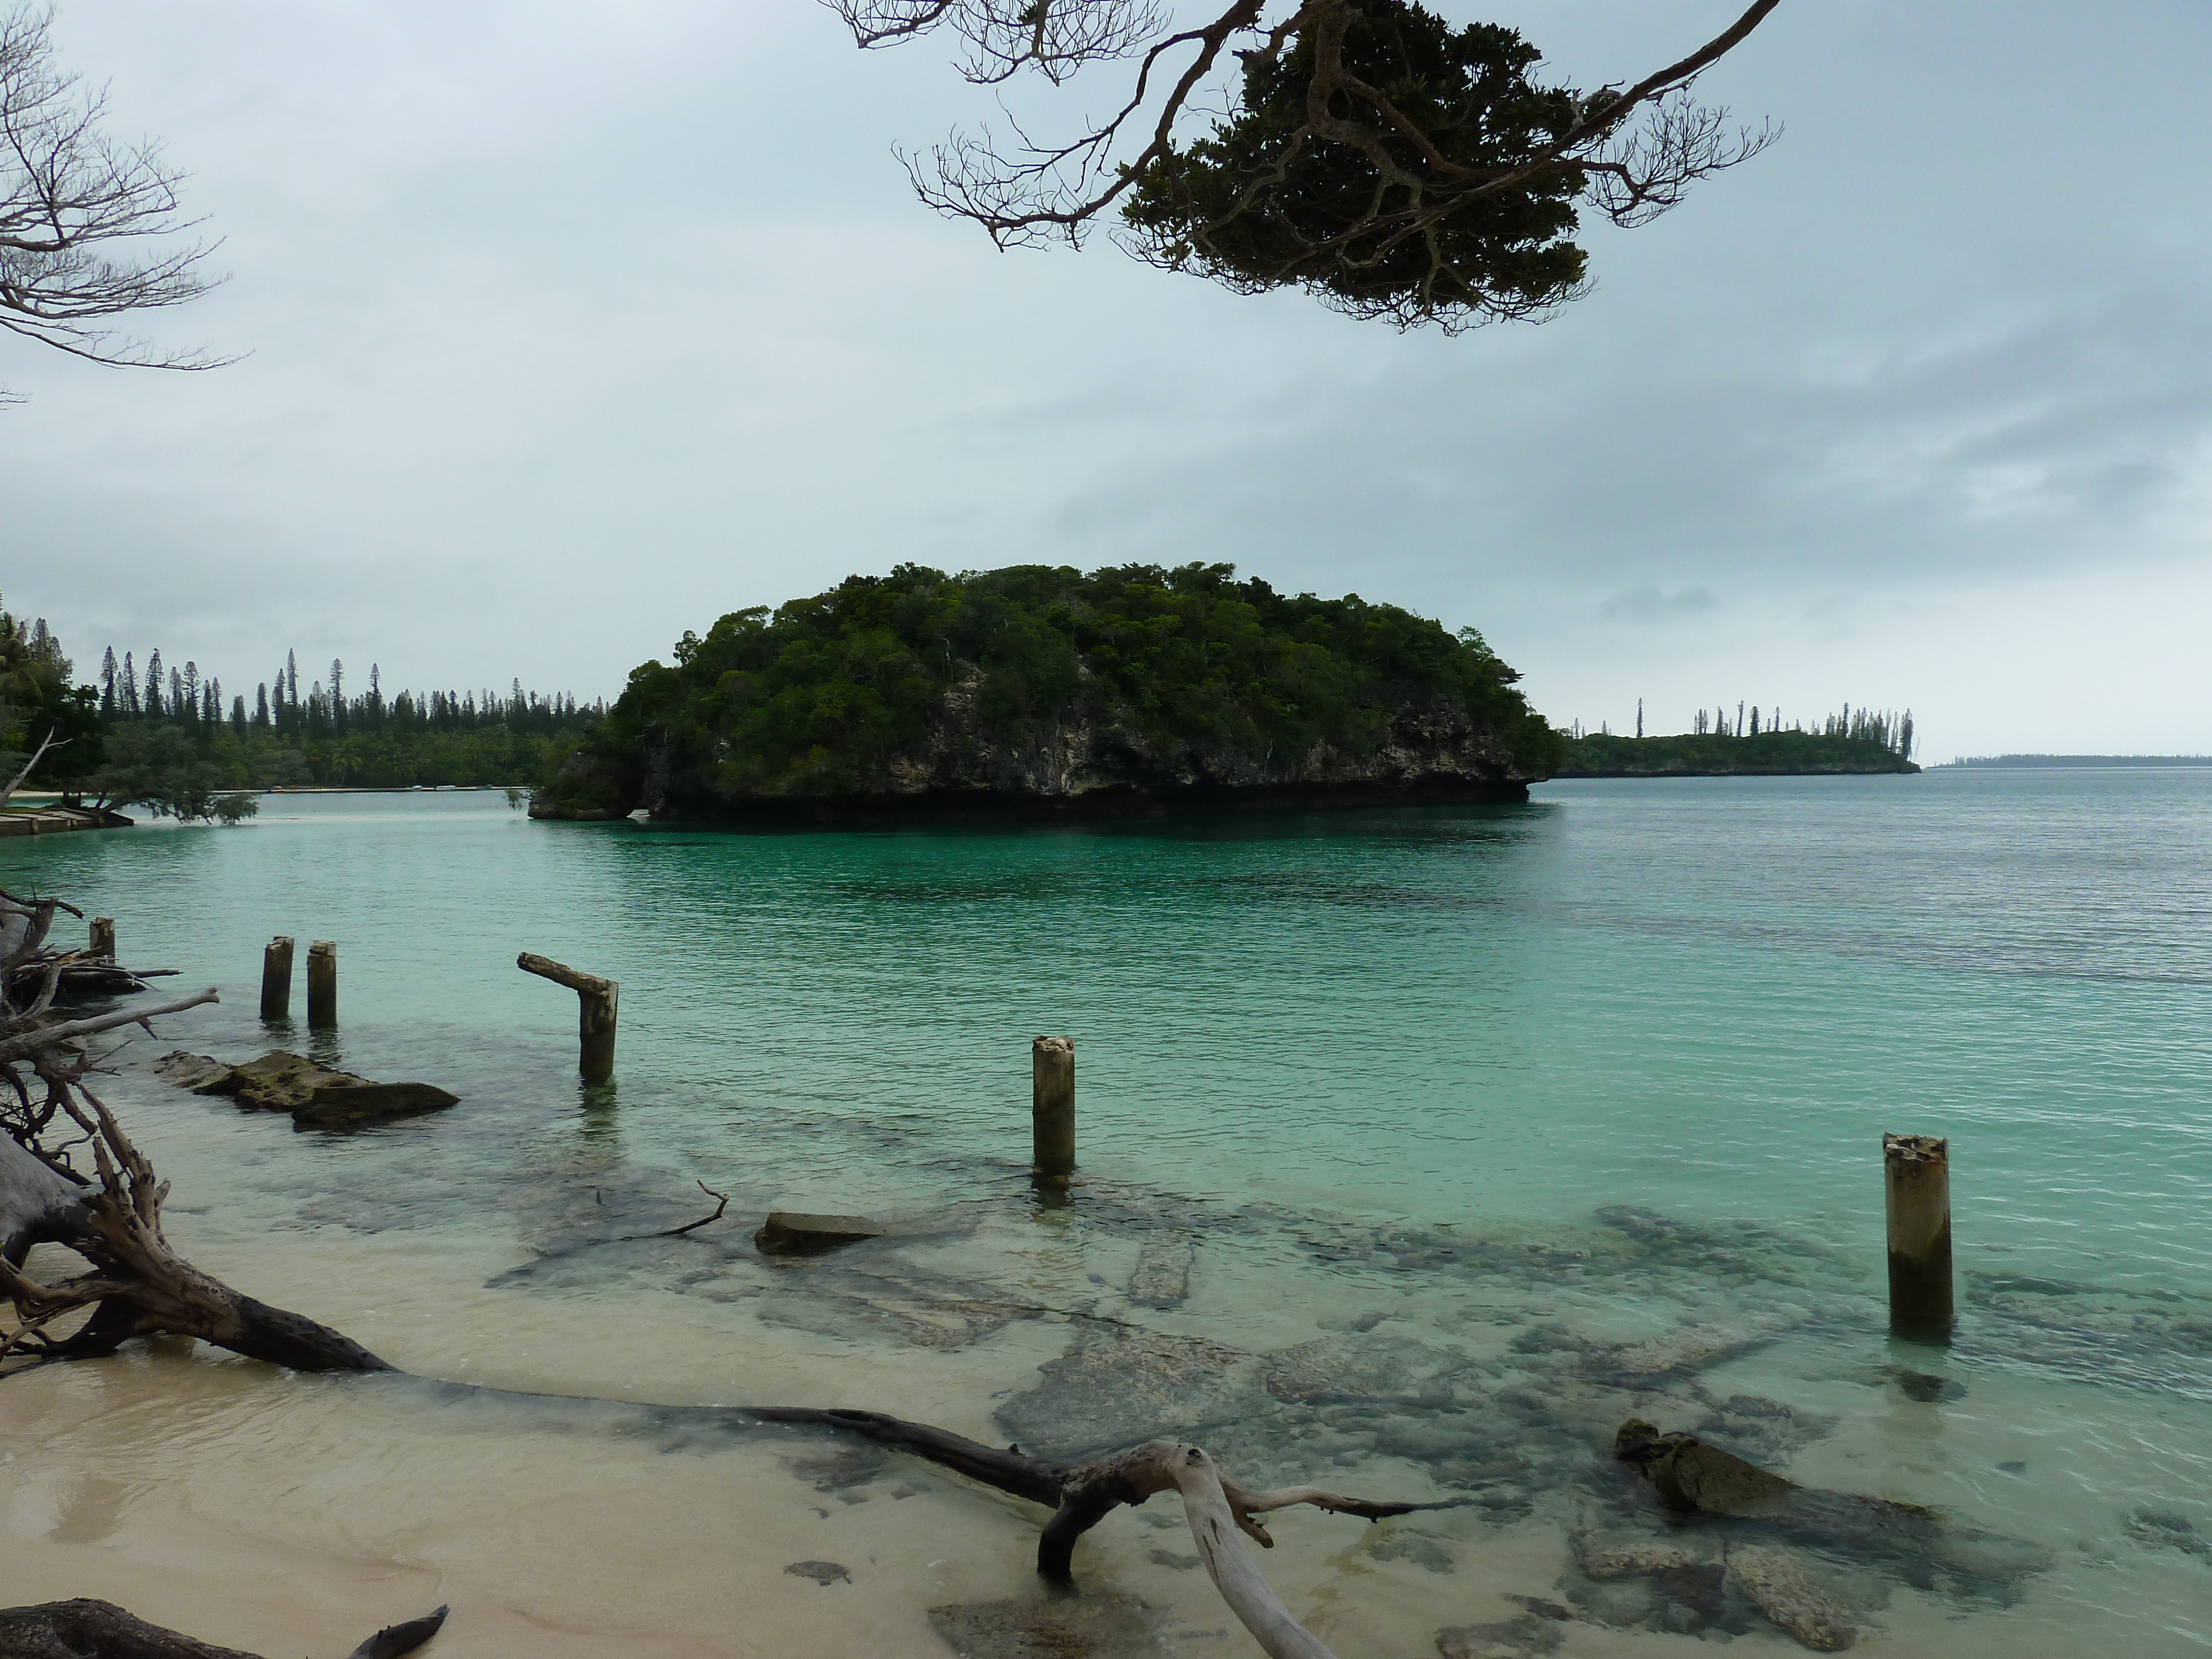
{"x": 323, "y": 982}
{"x": 1051, "y": 1065}
{"x": 596, "y": 999}
{"x": 103, "y": 937}
{"x": 277, "y": 978}
{"x": 1917, "y": 1172}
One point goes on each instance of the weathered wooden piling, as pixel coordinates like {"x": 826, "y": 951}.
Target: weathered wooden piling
{"x": 323, "y": 982}
{"x": 277, "y": 978}
{"x": 1917, "y": 1177}
{"x": 103, "y": 937}
{"x": 596, "y": 1003}
{"x": 1052, "y": 1106}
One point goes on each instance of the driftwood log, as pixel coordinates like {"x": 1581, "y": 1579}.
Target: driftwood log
{"x": 139, "y": 1286}
{"x": 85, "y": 1629}
{"x": 33, "y": 976}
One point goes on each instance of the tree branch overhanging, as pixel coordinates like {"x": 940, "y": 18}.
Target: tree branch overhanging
{"x": 89, "y": 228}
{"x": 1395, "y": 168}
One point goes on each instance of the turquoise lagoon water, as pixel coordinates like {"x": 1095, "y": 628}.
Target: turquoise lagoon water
{"x": 1683, "y": 1010}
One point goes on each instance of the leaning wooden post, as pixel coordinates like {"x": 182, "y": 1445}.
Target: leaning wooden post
{"x": 277, "y": 978}
{"x": 103, "y": 937}
{"x": 323, "y": 982}
{"x": 1917, "y": 1169}
{"x": 1052, "y": 1106}
{"x": 596, "y": 1002}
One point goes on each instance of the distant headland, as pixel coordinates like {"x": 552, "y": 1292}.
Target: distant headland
{"x": 1043, "y": 692}
{"x": 1856, "y": 741}
{"x": 2031, "y": 762}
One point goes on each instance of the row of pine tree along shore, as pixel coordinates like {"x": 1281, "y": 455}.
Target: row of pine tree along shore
{"x": 1858, "y": 739}
{"x": 167, "y": 736}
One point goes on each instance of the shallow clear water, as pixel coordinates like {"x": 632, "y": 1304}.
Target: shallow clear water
{"x": 1303, "y": 1041}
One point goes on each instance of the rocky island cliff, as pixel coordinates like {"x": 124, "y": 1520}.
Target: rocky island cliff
{"x": 1042, "y": 692}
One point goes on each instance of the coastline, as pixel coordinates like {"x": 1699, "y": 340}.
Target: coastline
{"x": 1903, "y": 770}
{"x": 956, "y": 808}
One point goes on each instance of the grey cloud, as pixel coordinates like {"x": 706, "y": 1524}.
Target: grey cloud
{"x": 1649, "y": 606}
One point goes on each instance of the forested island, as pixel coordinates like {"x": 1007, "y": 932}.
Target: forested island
{"x": 167, "y": 736}
{"x": 1041, "y": 691}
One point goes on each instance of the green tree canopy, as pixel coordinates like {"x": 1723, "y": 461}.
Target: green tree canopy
{"x": 1190, "y": 668}
{"x": 1368, "y": 151}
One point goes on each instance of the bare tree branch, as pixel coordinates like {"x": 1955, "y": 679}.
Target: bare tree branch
{"x": 75, "y": 207}
{"x": 37, "y": 754}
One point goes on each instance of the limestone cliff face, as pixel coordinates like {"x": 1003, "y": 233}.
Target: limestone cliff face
{"x": 1079, "y": 767}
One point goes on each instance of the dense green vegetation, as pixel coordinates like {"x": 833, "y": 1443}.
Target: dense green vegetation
{"x": 1602, "y": 755}
{"x": 37, "y": 700}
{"x": 164, "y": 737}
{"x": 1260, "y": 204}
{"x": 831, "y": 696}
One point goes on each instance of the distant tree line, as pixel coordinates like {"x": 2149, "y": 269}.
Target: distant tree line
{"x": 166, "y": 736}
{"x": 2044, "y": 760}
{"x": 1885, "y": 730}
{"x": 1747, "y": 742}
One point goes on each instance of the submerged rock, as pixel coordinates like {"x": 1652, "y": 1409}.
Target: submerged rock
{"x": 2165, "y": 1527}
{"x": 1116, "y": 1387}
{"x": 317, "y": 1096}
{"x": 1353, "y": 1367}
{"x": 1774, "y": 1583}
{"x": 1914, "y": 1542}
{"x": 342, "y": 1105}
{"x": 1620, "y": 1558}
{"x": 790, "y": 1232}
{"x": 1101, "y": 1625}
{"x": 1693, "y": 1477}
{"x": 1162, "y": 1276}
{"x": 1537, "y": 1632}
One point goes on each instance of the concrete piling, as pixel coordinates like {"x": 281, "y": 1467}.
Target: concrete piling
{"x": 277, "y": 978}
{"x": 598, "y": 1002}
{"x": 1917, "y": 1178}
{"x": 323, "y": 982}
{"x": 1052, "y": 1106}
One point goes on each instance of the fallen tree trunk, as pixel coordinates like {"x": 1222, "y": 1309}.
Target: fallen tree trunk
{"x": 140, "y": 1286}
{"x": 84, "y": 1629}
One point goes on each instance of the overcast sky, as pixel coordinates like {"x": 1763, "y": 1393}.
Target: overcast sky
{"x": 574, "y": 326}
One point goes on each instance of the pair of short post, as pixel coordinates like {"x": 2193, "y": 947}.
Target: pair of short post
{"x": 322, "y": 981}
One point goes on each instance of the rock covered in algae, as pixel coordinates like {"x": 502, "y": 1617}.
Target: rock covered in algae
{"x": 1162, "y": 1278}
{"x": 317, "y": 1096}
{"x": 1537, "y": 1632}
{"x": 792, "y": 1233}
{"x": 1773, "y": 1581}
{"x": 1101, "y": 1625}
{"x": 1694, "y": 1478}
